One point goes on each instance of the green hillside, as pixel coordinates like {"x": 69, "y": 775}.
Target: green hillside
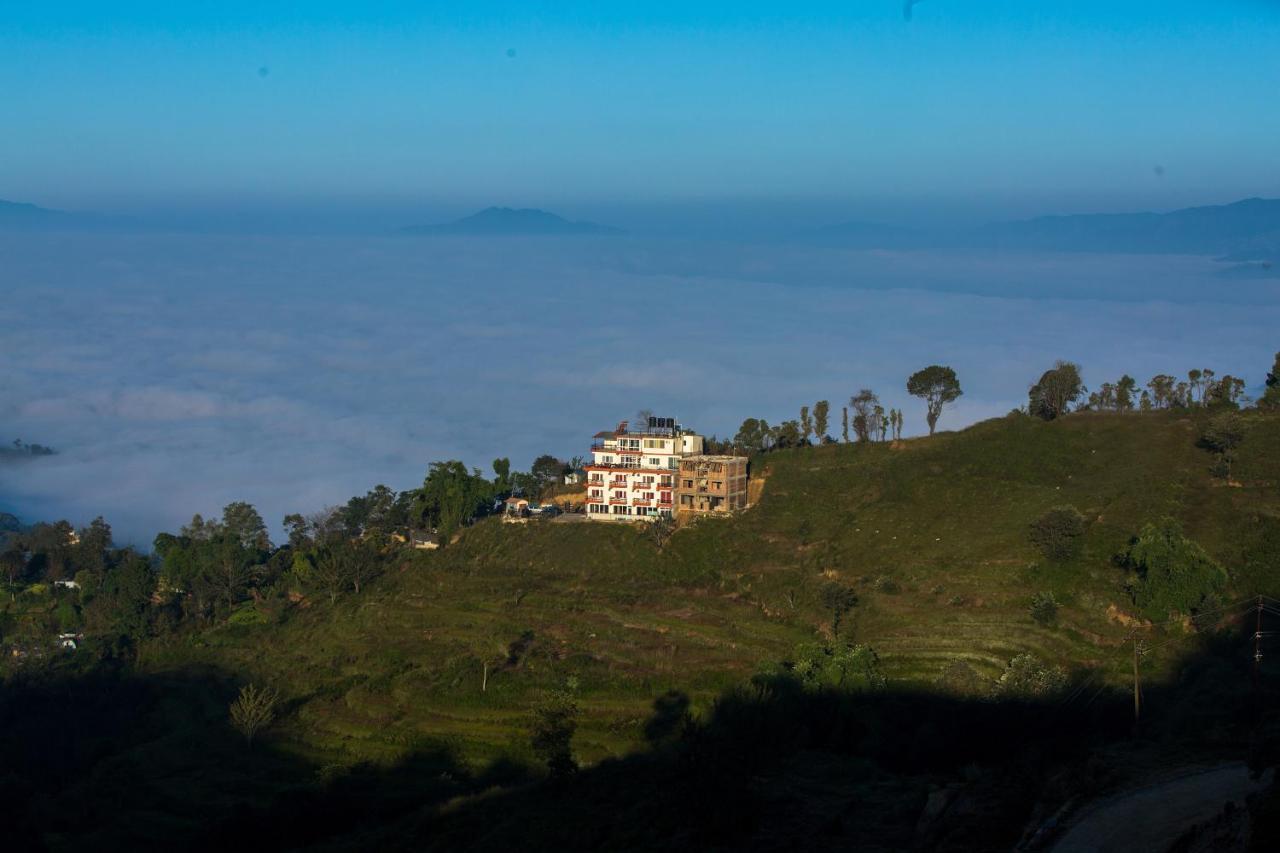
{"x": 932, "y": 534}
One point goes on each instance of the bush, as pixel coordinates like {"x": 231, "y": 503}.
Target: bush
{"x": 551, "y": 735}
{"x": 1174, "y": 573}
{"x": 846, "y": 667}
{"x": 1027, "y": 678}
{"x": 253, "y": 710}
{"x": 1044, "y": 608}
{"x": 1057, "y": 533}
{"x": 886, "y": 584}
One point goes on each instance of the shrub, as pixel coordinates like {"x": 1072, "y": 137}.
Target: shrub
{"x": 886, "y": 584}
{"x": 1223, "y": 434}
{"x": 1174, "y": 573}
{"x": 1026, "y": 677}
{"x": 1044, "y": 608}
{"x": 253, "y": 710}
{"x": 1057, "y": 533}
{"x": 551, "y": 733}
{"x": 847, "y": 667}
{"x": 838, "y": 599}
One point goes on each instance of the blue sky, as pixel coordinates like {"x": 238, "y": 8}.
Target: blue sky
{"x": 1049, "y": 105}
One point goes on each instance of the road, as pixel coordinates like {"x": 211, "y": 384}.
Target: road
{"x": 1152, "y": 818}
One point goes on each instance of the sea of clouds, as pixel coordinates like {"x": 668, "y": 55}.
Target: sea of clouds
{"x": 177, "y": 373}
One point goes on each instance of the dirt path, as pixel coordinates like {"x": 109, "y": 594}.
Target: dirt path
{"x": 1152, "y": 818}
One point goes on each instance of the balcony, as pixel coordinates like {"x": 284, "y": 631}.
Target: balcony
{"x": 618, "y": 501}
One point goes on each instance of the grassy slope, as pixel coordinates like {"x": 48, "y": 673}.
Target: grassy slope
{"x": 944, "y": 520}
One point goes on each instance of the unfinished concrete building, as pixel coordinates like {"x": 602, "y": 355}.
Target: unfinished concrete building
{"x": 710, "y": 485}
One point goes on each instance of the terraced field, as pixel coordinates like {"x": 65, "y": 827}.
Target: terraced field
{"x": 455, "y": 646}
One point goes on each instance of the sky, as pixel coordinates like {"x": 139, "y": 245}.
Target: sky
{"x": 970, "y": 108}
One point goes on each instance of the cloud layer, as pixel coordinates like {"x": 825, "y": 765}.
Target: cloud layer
{"x": 179, "y": 373}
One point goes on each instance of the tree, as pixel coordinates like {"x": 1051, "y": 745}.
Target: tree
{"x": 119, "y": 610}
{"x": 1044, "y": 608}
{"x": 821, "y": 410}
{"x": 937, "y": 386}
{"x": 880, "y": 421}
{"x": 1194, "y": 378}
{"x": 1206, "y": 383}
{"x": 753, "y": 435}
{"x": 1144, "y": 402}
{"x": 299, "y": 531}
{"x": 242, "y": 522}
{"x": 787, "y": 434}
{"x": 806, "y": 424}
{"x": 863, "y": 405}
{"x": 253, "y": 710}
{"x": 1124, "y": 393}
{"x": 1058, "y": 388}
{"x": 502, "y": 475}
{"x": 451, "y": 496}
{"x": 1223, "y": 434}
{"x": 1226, "y": 392}
{"x": 1057, "y": 533}
{"x": 839, "y": 599}
{"x": 13, "y": 563}
{"x": 547, "y": 471}
{"x": 338, "y": 567}
{"x": 551, "y": 734}
{"x": 844, "y": 424}
{"x": 839, "y": 666}
{"x": 1271, "y": 397}
{"x": 1174, "y": 574}
{"x": 1026, "y": 677}
{"x": 1162, "y": 390}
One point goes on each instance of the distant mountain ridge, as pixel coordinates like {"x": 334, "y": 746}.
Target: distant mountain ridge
{"x": 22, "y": 216}
{"x": 507, "y": 221}
{"x": 1246, "y": 230}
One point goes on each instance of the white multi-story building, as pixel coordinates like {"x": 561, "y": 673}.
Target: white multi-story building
{"x": 632, "y": 473}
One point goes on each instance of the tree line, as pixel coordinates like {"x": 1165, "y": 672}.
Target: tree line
{"x": 936, "y": 385}
{"x": 1060, "y": 390}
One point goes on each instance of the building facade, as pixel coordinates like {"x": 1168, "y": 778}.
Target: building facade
{"x": 632, "y": 473}
{"x": 709, "y": 485}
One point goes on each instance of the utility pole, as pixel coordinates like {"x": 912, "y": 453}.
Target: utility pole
{"x": 1257, "y": 647}
{"x": 1137, "y": 689}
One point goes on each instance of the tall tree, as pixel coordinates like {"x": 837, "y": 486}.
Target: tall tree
{"x": 821, "y": 411}
{"x": 753, "y": 435}
{"x": 1058, "y": 388}
{"x": 451, "y": 496}
{"x": 936, "y": 385}
{"x": 1124, "y": 393}
{"x": 1194, "y": 378}
{"x": 242, "y": 522}
{"x": 880, "y": 421}
{"x": 806, "y": 424}
{"x": 547, "y": 471}
{"x": 502, "y": 475}
{"x": 1271, "y": 397}
{"x": 1162, "y": 390}
{"x": 844, "y": 424}
{"x": 863, "y": 404}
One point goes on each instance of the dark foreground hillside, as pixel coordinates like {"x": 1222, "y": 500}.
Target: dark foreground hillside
{"x": 724, "y": 697}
